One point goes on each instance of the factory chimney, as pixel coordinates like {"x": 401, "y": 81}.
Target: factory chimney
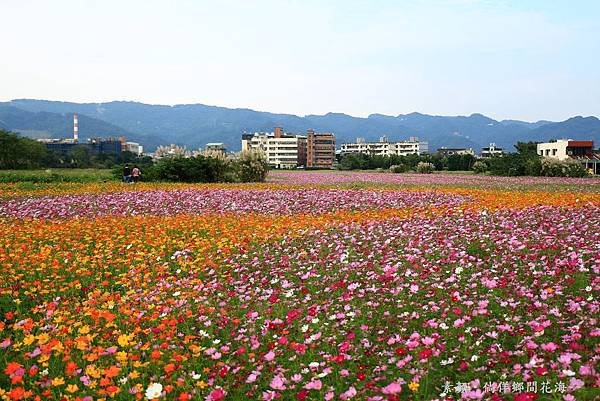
{"x": 75, "y": 129}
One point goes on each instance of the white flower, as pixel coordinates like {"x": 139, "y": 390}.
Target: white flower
{"x": 588, "y": 288}
{"x": 123, "y": 380}
{"x": 195, "y": 375}
{"x": 313, "y": 365}
{"x": 315, "y": 320}
{"x": 176, "y": 293}
{"x": 304, "y": 328}
{"x": 474, "y": 358}
{"x": 154, "y": 390}
{"x": 458, "y": 270}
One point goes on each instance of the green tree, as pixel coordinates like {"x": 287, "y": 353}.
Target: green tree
{"x": 80, "y": 156}
{"x": 20, "y": 153}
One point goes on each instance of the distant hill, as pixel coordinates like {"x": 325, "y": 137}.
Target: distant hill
{"x": 42, "y": 124}
{"x": 194, "y": 125}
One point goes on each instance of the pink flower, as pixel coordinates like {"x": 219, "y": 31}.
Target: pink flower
{"x": 350, "y": 393}
{"x": 345, "y": 346}
{"x": 428, "y": 340}
{"x": 251, "y": 378}
{"x": 277, "y": 383}
{"x": 216, "y": 395}
{"x": 269, "y": 356}
{"x": 549, "y": 347}
{"x": 269, "y": 395}
{"x": 392, "y": 388}
{"x": 575, "y": 384}
{"x": 313, "y": 385}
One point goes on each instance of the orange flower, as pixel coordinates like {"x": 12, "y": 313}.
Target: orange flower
{"x": 12, "y": 367}
{"x": 184, "y": 397}
{"x": 112, "y": 371}
{"x": 112, "y": 390}
{"x": 16, "y": 393}
{"x": 70, "y": 368}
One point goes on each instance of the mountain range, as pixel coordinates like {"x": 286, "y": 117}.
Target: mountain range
{"x": 194, "y": 125}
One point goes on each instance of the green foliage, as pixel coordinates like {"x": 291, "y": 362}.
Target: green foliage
{"x": 425, "y": 168}
{"x": 55, "y": 175}
{"x": 251, "y": 167}
{"x": 363, "y": 161}
{"x": 192, "y": 169}
{"x": 525, "y": 162}
{"x": 398, "y": 168}
{"x": 480, "y": 167}
{"x": 80, "y": 156}
{"x": 460, "y": 162}
{"x": 20, "y": 153}
{"x": 566, "y": 168}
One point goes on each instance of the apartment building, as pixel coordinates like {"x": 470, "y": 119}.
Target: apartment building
{"x": 491, "y": 151}
{"x": 444, "y": 151}
{"x": 386, "y": 148}
{"x": 320, "y": 149}
{"x": 282, "y": 150}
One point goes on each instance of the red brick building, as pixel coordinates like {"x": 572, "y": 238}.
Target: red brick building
{"x": 320, "y": 149}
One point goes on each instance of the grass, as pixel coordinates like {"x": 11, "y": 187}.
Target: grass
{"x": 56, "y": 175}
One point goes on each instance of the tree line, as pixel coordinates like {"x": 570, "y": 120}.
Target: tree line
{"x": 525, "y": 161}
{"x": 17, "y": 152}
{"x": 363, "y": 161}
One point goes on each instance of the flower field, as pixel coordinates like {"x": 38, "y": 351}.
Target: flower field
{"x": 314, "y": 286}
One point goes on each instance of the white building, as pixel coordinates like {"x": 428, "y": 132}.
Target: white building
{"x": 385, "y": 148}
{"x": 491, "y": 151}
{"x": 444, "y": 151}
{"x": 215, "y": 147}
{"x": 282, "y": 150}
{"x": 132, "y": 147}
{"x": 563, "y": 149}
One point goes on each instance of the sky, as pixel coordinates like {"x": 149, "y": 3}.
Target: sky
{"x": 522, "y": 59}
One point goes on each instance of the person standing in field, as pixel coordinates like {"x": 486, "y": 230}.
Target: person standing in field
{"x": 127, "y": 174}
{"x": 135, "y": 174}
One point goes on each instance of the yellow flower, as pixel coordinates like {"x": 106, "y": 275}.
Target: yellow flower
{"x": 122, "y": 356}
{"x": 72, "y": 388}
{"x": 43, "y": 338}
{"x": 201, "y": 384}
{"x": 134, "y": 374}
{"x": 58, "y": 381}
{"x": 84, "y": 330}
{"x": 29, "y": 339}
{"x": 92, "y": 371}
{"x": 124, "y": 340}
{"x": 413, "y": 386}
